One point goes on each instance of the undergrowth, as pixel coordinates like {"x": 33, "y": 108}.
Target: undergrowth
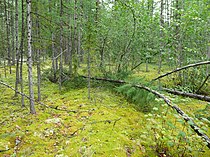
{"x": 106, "y": 125}
{"x": 143, "y": 100}
{"x": 171, "y": 135}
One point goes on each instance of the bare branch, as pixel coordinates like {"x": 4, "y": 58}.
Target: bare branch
{"x": 182, "y": 68}
{"x": 203, "y": 83}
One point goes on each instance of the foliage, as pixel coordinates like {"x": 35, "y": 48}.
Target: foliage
{"x": 171, "y": 137}
{"x": 117, "y": 76}
{"x": 204, "y": 114}
{"x": 142, "y": 99}
{"x": 190, "y": 80}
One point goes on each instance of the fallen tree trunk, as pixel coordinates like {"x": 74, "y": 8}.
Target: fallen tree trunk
{"x": 181, "y": 68}
{"x": 191, "y": 95}
{"x": 167, "y": 101}
{"x": 41, "y": 103}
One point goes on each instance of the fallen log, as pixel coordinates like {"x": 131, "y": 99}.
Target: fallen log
{"x": 188, "y": 119}
{"x": 191, "y": 95}
{"x": 41, "y": 103}
{"x": 181, "y": 68}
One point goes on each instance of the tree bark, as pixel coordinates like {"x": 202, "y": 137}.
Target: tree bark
{"x": 30, "y": 75}
{"x": 75, "y": 44}
{"x": 38, "y": 59}
{"x": 161, "y": 34}
{"x": 13, "y": 29}
{"x": 191, "y": 95}
{"x": 52, "y": 46}
{"x": 61, "y": 43}
{"x": 8, "y": 34}
{"x": 16, "y": 46}
{"x": 21, "y": 52}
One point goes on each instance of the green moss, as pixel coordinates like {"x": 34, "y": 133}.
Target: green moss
{"x": 106, "y": 125}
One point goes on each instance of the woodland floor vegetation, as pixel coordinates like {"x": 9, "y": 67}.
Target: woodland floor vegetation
{"x": 106, "y": 125}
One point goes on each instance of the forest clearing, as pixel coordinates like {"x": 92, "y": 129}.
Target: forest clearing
{"x": 121, "y": 78}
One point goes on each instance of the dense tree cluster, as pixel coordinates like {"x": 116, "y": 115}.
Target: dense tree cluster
{"x": 114, "y": 36}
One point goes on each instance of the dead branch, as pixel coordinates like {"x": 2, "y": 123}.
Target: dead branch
{"x": 203, "y": 83}
{"x": 188, "y": 119}
{"x": 41, "y": 103}
{"x": 136, "y": 66}
{"x": 182, "y": 68}
{"x": 191, "y": 95}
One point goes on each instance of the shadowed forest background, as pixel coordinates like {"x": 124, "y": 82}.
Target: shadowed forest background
{"x": 104, "y": 78}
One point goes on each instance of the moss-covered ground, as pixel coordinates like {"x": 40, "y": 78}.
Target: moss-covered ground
{"x": 106, "y": 125}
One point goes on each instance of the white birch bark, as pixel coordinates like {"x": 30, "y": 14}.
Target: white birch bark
{"x": 30, "y": 75}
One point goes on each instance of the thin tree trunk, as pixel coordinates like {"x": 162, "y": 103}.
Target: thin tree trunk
{"x": 53, "y": 56}
{"x": 8, "y": 34}
{"x": 53, "y": 47}
{"x": 13, "y": 30}
{"x": 79, "y": 45}
{"x": 161, "y": 42}
{"x": 102, "y": 51}
{"x": 89, "y": 74}
{"x": 22, "y": 53}
{"x": 69, "y": 50}
{"x": 161, "y": 35}
{"x": 30, "y": 75}
{"x": 38, "y": 59}
{"x": 75, "y": 34}
{"x": 17, "y": 50}
{"x": 61, "y": 43}
{"x": 5, "y": 69}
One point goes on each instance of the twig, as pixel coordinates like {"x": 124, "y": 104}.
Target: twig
{"x": 59, "y": 54}
{"x": 203, "y": 83}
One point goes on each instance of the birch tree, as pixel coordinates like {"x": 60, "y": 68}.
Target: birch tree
{"x": 30, "y": 75}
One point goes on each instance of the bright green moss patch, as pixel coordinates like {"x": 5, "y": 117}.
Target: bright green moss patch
{"x": 101, "y": 127}
{"x": 106, "y": 125}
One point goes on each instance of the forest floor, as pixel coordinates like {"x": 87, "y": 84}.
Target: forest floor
{"x": 106, "y": 125}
